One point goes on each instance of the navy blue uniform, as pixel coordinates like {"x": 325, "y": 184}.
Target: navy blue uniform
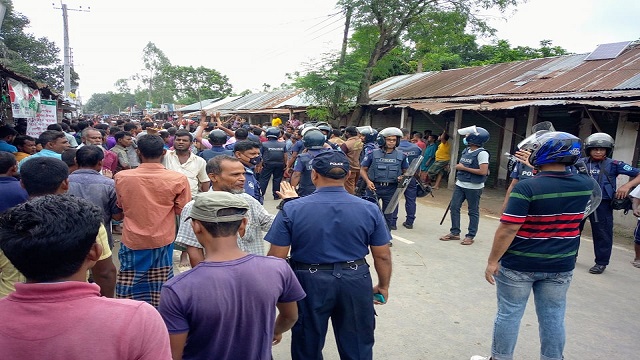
{"x": 602, "y": 219}
{"x": 251, "y": 185}
{"x": 522, "y": 172}
{"x": 384, "y": 170}
{"x": 411, "y": 151}
{"x": 303, "y": 166}
{"x": 272, "y": 165}
{"x": 214, "y": 151}
{"x": 323, "y": 229}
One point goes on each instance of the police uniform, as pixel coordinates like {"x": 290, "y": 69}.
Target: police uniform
{"x": 214, "y": 151}
{"x": 522, "y": 172}
{"x": 383, "y": 170}
{"x": 327, "y": 256}
{"x": 251, "y": 185}
{"x": 272, "y": 164}
{"x": 468, "y": 187}
{"x": 411, "y": 151}
{"x": 605, "y": 173}
{"x": 303, "y": 166}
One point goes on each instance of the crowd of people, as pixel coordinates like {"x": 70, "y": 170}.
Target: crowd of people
{"x": 198, "y": 186}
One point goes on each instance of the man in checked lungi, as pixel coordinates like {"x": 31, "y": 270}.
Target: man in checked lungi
{"x": 150, "y": 197}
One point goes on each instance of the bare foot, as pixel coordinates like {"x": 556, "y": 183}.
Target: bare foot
{"x": 184, "y": 259}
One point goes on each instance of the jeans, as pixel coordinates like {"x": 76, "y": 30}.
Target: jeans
{"x": 472, "y": 196}
{"x": 550, "y": 297}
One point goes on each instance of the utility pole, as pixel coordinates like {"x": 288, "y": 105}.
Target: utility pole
{"x": 67, "y": 49}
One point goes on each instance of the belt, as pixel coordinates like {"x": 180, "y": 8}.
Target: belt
{"x": 314, "y": 267}
{"x": 385, "y": 183}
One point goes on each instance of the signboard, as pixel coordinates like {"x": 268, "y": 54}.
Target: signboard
{"x": 24, "y": 100}
{"x": 47, "y": 116}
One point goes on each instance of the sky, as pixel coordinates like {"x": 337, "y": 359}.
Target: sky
{"x": 256, "y": 42}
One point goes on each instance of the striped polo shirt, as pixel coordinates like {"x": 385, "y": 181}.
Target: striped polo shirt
{"x": 549, "y": 207}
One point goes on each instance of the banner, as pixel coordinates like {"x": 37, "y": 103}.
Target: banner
{"x": 25, "y": 101}
{"x": 47, "y": 116}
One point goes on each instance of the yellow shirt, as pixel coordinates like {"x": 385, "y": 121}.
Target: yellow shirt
{"x": 20, "y": 155}
{"x": 276, "y": 122}
{"x": 444, "y": 152}
{"x": 9, "y": 275}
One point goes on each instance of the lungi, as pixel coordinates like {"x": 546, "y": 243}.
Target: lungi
{"x": 142, "y": 273}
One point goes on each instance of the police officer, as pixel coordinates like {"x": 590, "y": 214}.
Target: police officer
{"x": 598, "y": 148}
{"x": 314, "y": 143}
{"x": 326, "y": 130}
{"x": 382, "y": 168}
{"x": 411, "y": 151}
{"x": 273, "y": 159}
{"x": 329, "y": 261}
{"x": 248, "y": 152}
{"x": 217, "y": 139}
{"x": 472, "y": 171}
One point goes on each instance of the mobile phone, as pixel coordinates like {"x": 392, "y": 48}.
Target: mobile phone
{"x": 379, "y": 297}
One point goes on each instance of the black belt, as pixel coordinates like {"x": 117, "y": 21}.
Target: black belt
{"x": 312, "y": 267}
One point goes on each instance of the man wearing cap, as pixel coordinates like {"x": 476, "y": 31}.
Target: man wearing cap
{"x": 242, "y": 324}
{"x": 228, "y": 174}
{"x": 331, "y": 267}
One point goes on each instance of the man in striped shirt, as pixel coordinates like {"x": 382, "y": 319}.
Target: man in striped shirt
{"x": 536, "y": 244}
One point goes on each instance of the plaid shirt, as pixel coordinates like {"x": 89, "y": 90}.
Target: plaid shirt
{"x": 252, "y": 242}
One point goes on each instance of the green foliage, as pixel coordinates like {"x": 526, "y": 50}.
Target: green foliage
{"x": 502, "y": 52}
{"x": 318, "y": 113}
{"x": 109, "y": 103}
{"x": 36, "y": 58}
{"x": 197, "y": 84}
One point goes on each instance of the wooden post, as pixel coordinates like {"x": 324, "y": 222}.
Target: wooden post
{"x": 455, "y": 148}
{"x": 532, "y": 119}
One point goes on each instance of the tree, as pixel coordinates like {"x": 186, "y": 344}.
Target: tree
{"x": 36, "y": 58}
{"x": 392, "y": 18}
{"x": 503, "y": 52}
{"x": 156, "y": 63}
{"x": 197, "y": 84}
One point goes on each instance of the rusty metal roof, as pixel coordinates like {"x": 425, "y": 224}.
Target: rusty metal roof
{"x": 569, "y": 74}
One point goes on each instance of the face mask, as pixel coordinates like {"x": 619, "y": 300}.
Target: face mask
{"x": 464, "y": 141}
{"x": 256, "y": 160}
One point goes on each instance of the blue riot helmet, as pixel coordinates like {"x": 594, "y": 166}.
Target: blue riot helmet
{"x": 478, "y": 137}
{"x": 554, "y": 147}
{"x": 217, "y": 137}
{"x": 323, "y": 126}
{"x": 273, "y": 133}
{"x": 370, "y": 134}
{"x": 313, "y": 139}
{"x": 386, "y": 132}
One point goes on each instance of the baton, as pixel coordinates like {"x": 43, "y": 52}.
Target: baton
{"x": 445, "y": 213}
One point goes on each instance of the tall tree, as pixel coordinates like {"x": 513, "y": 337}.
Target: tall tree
{"x": 392, "y": 18}
{"x": 155, "y": 63}
{"x": 36, "y": 58}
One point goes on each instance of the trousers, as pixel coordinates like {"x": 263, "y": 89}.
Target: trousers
{"x": 269, "y": 170}
{"x": 602, "y": 231}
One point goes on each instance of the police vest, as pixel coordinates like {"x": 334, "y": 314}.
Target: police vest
{"x": 410, "y": 150}
{"x": 273, "y": 152}
{"x": 305, "y": 186}
{"x": 524, "y": 171}
{"x": 213, "y": 152}
{"x": 385, "y": 167}
{"x": 470, "y": 159}
{"x": 367, "y": 149}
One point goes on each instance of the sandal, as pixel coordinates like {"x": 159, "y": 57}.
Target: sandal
{"x": 636, "y": 263}
{"x": 467, "y": 241}
{"x": 449, "y": 237}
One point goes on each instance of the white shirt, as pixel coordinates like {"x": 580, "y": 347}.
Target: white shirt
{"x": 194, "y": 168}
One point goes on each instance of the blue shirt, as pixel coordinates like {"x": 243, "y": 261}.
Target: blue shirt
{"x": 11, "y": 193}
{"x": 429, "y": 156}
{"x": 410, "y": 150}
{"x": 251, "y": 185}
{"x": 5, "y": 146}
{"x": 607, "y": 178}
{"x": 41, "y": 153}
{"x": 324, "y": 228}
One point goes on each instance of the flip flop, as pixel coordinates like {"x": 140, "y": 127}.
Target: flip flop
{"x": 449, "y": 237}
{"x": 636, "y": 263}
{"x": 467, "y": 241}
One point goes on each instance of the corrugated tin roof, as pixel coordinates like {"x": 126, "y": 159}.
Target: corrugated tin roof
{"x": 197, "y": 106}
{"x": 563, "y": 74}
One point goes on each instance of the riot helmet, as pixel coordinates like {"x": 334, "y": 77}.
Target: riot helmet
{"x": 323, "y": 126}
{"x": 599, "y": 140}
{"x": 273, "y": 133}
{"x": 478, "y": 138}
{"x": 387, "y": 132}
{"x": 554, "y": 147}
{"x": 370, "y": 134}
{"x": 217, "y": 137}
{"x": 313, "y": 139}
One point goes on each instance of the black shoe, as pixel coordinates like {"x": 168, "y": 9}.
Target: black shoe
{"x": 408, "y": 226}
{"x": 393, "y": 227}
{"x": 390, "y": 244}
{"x": 597, "y": 269}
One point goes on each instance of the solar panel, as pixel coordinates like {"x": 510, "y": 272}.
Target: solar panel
{"x": 608, "y": 51}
